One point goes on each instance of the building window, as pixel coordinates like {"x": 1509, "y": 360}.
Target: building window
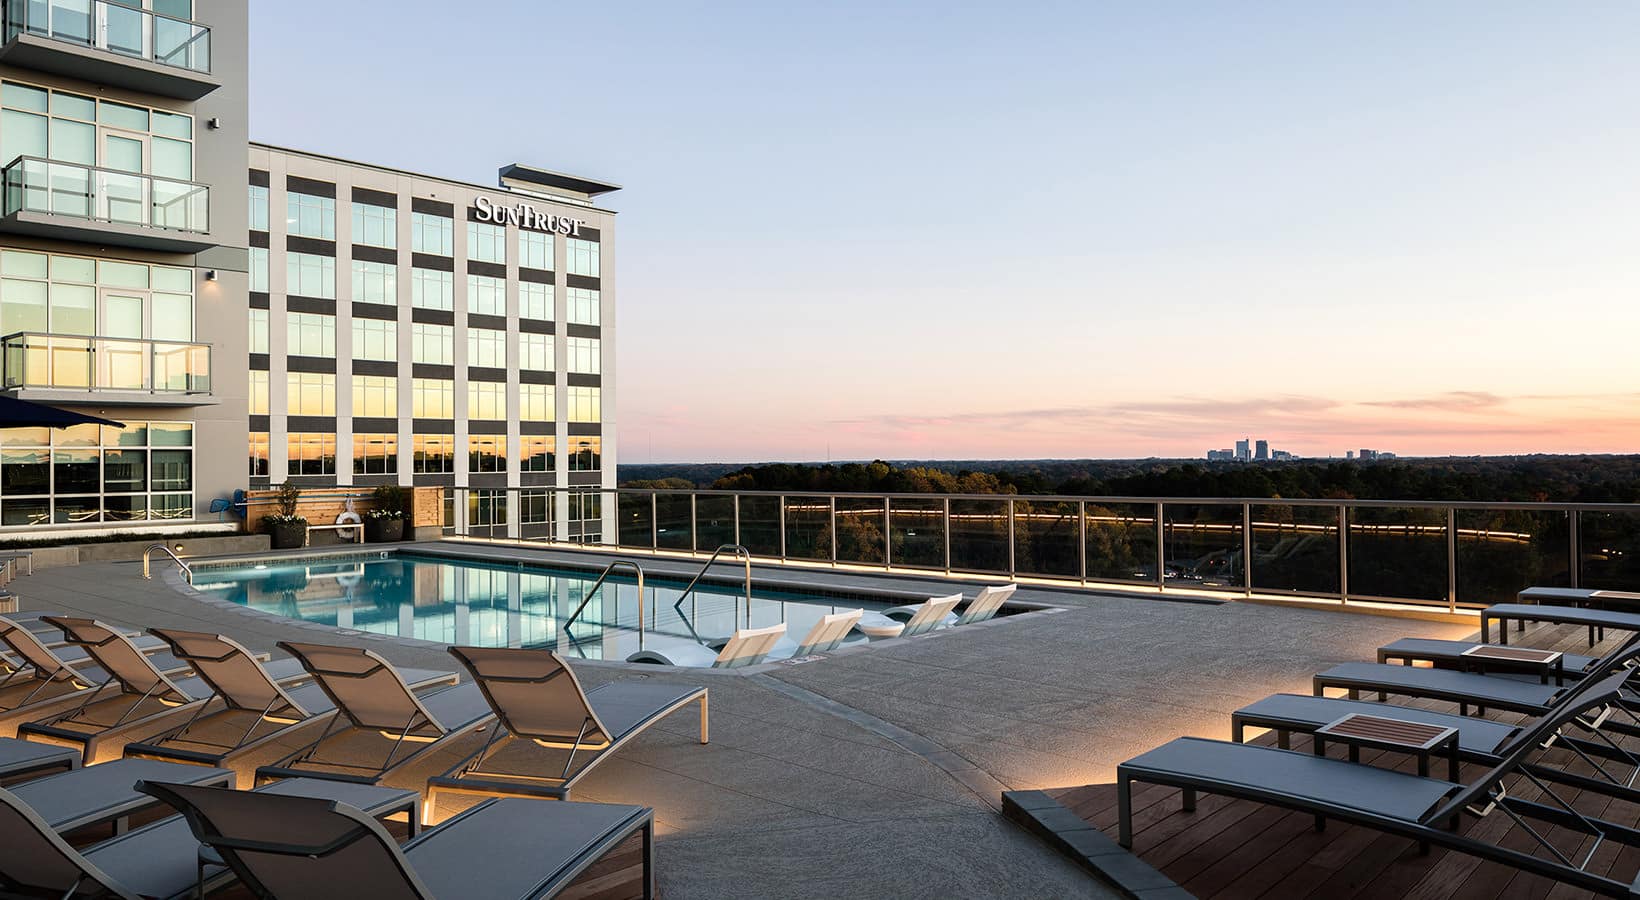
{"x": 487, "y": 243}
{"x": 310, "y": 393}
{"x": 310, "y": 217}
{"x": 375, "y": 226}
{"x": 84, "y": 131}
{"x": 487, "y": 347}
{"x": 534, "y": 352}
{"x": 585, "y": 356}
{"x": 259, "y": 454}
{"x": 86, "y": 473}
{"x": 486, "y": 296}
{"x": 432, "y": 398}
{"x": 310, "y": 334}
{"x": 486, "y": 508}
{"x": 534, "y": 250}
{"x": 432, "y": 289}
{"x": 586, "y": 507}
{"x": 487, "y": 453}
{"x": 433, "y": 454}
{"x": 259, "y": 392}
{"x": 375, "y": 454}
{"x": 375, "y": 282}
{"x": 259, "y": 208}
{"x": 432, "y": 234}
{"x": 588, "y": 454}
{"x": 583, "y": 306}
{"x": 535, "y": 301}
{"x": 535, "y": 507}
{"x": 310, "y": 453}
{"x": 433, "y": 344}
{"x": 585, "y": 404}
{"x": 535, "y": 403}
{"x": 486, "y": 400}
{"x": 259, "y": 331}
{"x": 536, "y": 453}
{"x": 42, "y": 292}
{"x": 582, "y": 257}
{"x": 376, "y": 339}
{"x": 376, "y": 396}
{"x": 259, "y": 269}
{"x": 309, "y": 275}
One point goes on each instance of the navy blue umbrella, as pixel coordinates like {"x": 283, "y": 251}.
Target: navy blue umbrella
{"x": 16, "y": 413}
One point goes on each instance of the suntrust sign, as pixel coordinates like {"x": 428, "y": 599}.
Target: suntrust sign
{"x": 525, "y": 216}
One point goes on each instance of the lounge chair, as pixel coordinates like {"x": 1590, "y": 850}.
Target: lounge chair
{"x": 218, "y": 733}
{"x": 538, "y": 699}
{"x": 103, "y": 794}
{"x": 1455, "y": 654}
{"x": 1595, "y": 598}
{"x": 25, "y": 760}
{"x": 374, "y": 705}
{"x": 746, "y": 647}
{"x": 923, "y": 617}
{"x": 321, "y": 849}
{"x": 1595, "y": 620}
{"x": 159, "y": 860}
{"x": 832, "y": 631}
{"x": 146, "y": 695}
{"x": 40, "y": 677}
{"x": 1396, "y": 803}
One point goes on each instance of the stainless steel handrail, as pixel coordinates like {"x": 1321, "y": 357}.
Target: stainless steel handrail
{"x": 742, "y": 555}
{"x": 167, "y": 551}
{"x": 587, "y": 597}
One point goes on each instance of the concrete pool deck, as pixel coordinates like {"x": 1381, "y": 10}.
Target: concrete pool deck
{"x": 877, "y": 773}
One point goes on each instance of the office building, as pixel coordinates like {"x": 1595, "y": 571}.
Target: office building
{"x": 1242, "y": 451}
{"x": 1262, "y": 451}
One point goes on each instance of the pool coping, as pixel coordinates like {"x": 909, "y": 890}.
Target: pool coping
{"x": 176, "y": 579}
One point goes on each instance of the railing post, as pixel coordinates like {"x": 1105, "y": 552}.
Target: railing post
{"x": 694, "y": 525}
{"x": 1082, "y": 541}
{"x": 1247, "y": 549}
{"x": 1161, "y": 551}
{"x": 736, "y": 499}
{"x": 1452, "y": 559}
{"x": 654, "y": 521}
{"x": 888, "y": 529}
{"x": 782, "y": 523}
{"x": 1574, "y": 546}
{"x": 1343, "y": 555}
{"x": 947, "y": 531}
{"x": 832, "y": 503}
{"x": 1011, "y": 565}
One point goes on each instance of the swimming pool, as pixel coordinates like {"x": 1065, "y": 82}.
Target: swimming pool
{"x": 461, "y": 601}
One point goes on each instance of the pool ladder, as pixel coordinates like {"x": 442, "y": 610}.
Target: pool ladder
{"x": 608, "y": 570}
{"x": 146, "y": 554}
{"x": 741, "y": 555}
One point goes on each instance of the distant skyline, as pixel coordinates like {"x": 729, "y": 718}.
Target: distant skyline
{"x": 1048, "y": 230}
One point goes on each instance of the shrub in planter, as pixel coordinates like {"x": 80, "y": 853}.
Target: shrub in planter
{"x": 386, "y": 521}
{"x": 286, "y": 530}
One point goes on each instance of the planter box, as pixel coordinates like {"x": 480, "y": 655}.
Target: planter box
{"x": 381, "y": 531}
{"x": 288, "y": 537}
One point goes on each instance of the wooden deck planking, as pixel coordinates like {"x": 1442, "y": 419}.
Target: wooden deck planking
{"x": 1238, "y": 850}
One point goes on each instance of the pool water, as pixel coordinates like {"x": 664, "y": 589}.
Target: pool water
{"x": 507, "y": 605}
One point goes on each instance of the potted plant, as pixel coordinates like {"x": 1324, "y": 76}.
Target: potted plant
{"x": 385, "y": 522}
{"x": 285, "y": 528}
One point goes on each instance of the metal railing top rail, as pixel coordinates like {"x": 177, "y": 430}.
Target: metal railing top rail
{"x": 1331, "y": 503}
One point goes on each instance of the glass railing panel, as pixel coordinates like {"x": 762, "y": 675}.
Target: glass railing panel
{"x": 1047, "y": 538}
{"x": 979, "y": 535}
{"x": 636, "y": 520}
{"x": 917, "y": 530}
{"x": 1502, "y": 552}
{"x": 714, "y": 521}
{"x": 123, "y": 29}
{"x": 1121, "y": 541}
{"x": 760, "y": 523}
{"x": 69, "y": 186}
{"x": 66, "y": 20}
{"x": 1202, "y": 544}
{"x": 808, "y": 527}
{"x": 673, "y": 527}
{"x": 1609, "y": 544}
{"x": 129, "y": 198}
{"x": 182, "y": 44}
{"x": 1398, "y": 553}
{"x": 122, "y": 365}
{"x": 860, "y": 531}
{"x": 70, "y": 363}
{"x": 1295, "y": 549}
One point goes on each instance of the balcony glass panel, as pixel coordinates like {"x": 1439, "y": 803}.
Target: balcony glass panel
{"x": 760, "y": 524}
{"x": 1122, "y": 541}
{"x": 636, "y": 520}
{"x": 88, "y": 192}
{"x": 1203, "y": 545}
{"x": 1610, "y": 550}
{"x": 672, "y": 527}
{"x": 1295, "y": 549}
{"x": 979, "y": 535}
{"x": 1046, "y": 536}
{"x": 860, "y": 530}
{"x": 116, "y": 28}
{"x": 808, "y": 527}
{"x": 714, "y": 521}
{"x": 93, "y": 364}
{"x": 1398, "y": 553}
{"x": 917, "y": 529}
{"x": 1502, "y": 552}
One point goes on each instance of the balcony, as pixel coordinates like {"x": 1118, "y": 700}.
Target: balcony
{"x": 62, "y": 368}
{"x": 110, "y": 44}
{"x": 68, "y": 201}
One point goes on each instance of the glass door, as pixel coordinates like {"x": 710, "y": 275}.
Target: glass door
{"x": 122, "y": 364}
{"x": 123, "y": 197}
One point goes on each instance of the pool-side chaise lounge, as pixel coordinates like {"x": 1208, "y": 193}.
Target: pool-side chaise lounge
{"x": 538, "y": 701}
{"x": 923, "y": 617}
{"x": 746, "y": 647}
{"x": 39, "y": 677}
{"x": 319, "y": 849}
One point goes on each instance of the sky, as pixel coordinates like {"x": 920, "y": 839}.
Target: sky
{"x": 919, "y": 230}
